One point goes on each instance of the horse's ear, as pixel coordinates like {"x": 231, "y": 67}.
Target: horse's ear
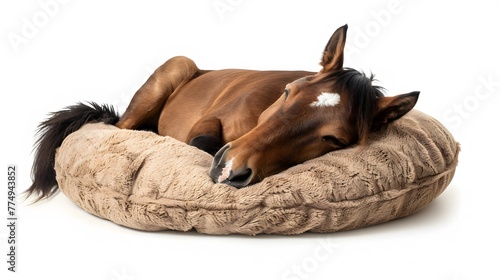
{"x": 333, "y": 56}
{"x": 392, "y": 108}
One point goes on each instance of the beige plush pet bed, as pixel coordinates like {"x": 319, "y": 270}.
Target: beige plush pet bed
{"x": 144, "y": 181}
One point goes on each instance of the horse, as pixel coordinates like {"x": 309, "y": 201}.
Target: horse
{"x": 254, "y": 123}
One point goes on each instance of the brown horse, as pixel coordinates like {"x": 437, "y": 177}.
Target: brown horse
{"x": 255, "y": 123}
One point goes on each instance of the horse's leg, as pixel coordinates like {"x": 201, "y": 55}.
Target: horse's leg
{"x": 206, "y": 135}
{"x": 148, "y": 101}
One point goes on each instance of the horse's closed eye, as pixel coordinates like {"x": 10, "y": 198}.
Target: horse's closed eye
{"x": 334, "y": 141}
{"x": 286, "y": 92}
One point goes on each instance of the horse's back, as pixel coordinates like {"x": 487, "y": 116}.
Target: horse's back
{"x": 235, "y": 97}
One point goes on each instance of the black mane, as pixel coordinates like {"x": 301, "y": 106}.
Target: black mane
{"x": 363, "y": 96}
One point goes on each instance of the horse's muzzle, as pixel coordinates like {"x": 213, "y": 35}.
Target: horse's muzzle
{"x": 222, "y": 170}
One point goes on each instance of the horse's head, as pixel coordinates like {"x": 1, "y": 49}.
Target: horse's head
{"x": 317, "y": 114}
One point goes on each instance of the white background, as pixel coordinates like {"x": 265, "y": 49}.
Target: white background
{"x": 56, "y": 54}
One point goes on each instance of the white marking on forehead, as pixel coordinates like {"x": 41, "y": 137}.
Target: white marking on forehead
{"x": 326, "y": 99}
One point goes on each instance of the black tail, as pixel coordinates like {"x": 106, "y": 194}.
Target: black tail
{"x": 52, "y": 133}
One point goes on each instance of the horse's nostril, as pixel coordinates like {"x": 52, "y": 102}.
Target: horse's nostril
{"x": 240, "y": 179}
{"x": 222, "y": 170}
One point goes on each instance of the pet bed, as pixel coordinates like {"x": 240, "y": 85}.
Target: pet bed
{"x": 148, "y": 182}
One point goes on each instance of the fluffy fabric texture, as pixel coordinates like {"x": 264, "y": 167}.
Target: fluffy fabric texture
{"x": 148, "y": 182}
